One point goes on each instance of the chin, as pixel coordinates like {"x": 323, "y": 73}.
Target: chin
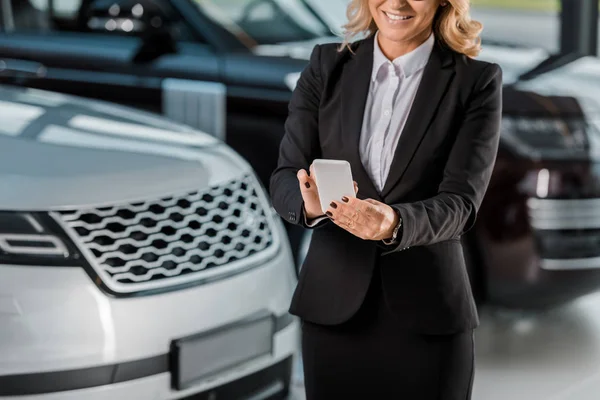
{"x": 394, "y": 35}
{"x": 397, "y": 33}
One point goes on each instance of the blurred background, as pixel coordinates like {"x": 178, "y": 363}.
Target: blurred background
{"x": 140, "y": 257}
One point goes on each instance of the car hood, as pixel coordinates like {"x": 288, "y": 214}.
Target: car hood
{"x": 298, "y": 50}
{"x": 514, "y": 61}
{"x": 62, "y": 152}
{"x": 578, "y": 81}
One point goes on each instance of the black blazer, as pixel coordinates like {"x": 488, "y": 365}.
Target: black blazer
{"x": 437, "y": 181}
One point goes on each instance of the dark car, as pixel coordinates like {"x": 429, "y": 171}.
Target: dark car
{"x": 228, "y": 67}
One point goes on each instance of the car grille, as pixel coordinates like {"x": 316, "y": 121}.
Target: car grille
{"x": 173, "y": 240}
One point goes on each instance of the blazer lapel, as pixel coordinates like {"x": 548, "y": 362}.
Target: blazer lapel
{"x": 356, "y": 78}
{"x": 436, "y": 77}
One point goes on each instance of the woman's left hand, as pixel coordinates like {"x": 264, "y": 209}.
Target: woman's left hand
{"x": 367, "y": 219}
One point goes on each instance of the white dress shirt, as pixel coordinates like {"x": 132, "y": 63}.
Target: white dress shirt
{"x": 392, "y": 91}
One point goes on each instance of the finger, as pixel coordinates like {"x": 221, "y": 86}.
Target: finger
{"x": 350, "y": 200}
{"x": 302, "y": 174}
{"x": 306, "y": 183}
{"x": 357, "y": 204}
{"x": 312, "y": 171}
{"x": 351, "y": 214}
{"x": 339, "y": 216}
{"x": 346, "y": 226}
{"x": 342, "y": 218}
{"x": 355, "y": 188}
{"x": 347, "y": 206}
{"x": 353, "y": 228}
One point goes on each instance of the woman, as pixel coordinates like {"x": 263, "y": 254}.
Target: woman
{"x": 384, "y": 298}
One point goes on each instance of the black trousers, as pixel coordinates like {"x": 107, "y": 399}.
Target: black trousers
{"x": 373, "y": 357}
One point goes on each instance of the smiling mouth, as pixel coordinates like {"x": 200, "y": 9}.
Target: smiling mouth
{"x": 397, "y": 17}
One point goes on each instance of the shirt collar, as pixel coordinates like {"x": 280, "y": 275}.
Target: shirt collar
{"x": 409, "y": 63}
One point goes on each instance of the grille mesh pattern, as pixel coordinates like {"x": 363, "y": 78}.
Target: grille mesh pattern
{"x": 157, "y": 240}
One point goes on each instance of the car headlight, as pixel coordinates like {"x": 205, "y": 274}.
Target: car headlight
{"x": 34, "y": 239}
{"x": 548, "y": 138}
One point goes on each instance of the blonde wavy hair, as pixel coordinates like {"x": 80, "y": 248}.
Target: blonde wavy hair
{"x": 452, "y": 25}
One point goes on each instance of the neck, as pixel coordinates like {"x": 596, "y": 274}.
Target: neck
{"x": 393, "y": 49}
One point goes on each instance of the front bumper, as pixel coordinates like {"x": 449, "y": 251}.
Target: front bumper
{"x": 538, "y": 252}
{"x": 55, "y": 320}
{"x": 269, "y": 383}
{"x": 567, "y": 232}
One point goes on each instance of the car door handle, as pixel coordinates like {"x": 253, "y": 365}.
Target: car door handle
{"x": 21, "y": 68}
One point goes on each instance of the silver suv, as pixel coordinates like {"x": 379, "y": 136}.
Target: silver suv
{"x": 139, "y": 259}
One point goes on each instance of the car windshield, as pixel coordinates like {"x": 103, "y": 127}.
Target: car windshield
{"x": 277, "y": 21}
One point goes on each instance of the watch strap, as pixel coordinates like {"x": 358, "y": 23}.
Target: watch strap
{"x": 395, "y": 232}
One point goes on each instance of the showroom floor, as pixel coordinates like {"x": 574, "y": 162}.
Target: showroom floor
{"x": 549, "y": 356}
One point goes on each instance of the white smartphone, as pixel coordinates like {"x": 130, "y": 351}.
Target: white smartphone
{"x": 334, "y": 181}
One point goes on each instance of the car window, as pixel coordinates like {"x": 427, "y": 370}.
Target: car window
{"x": 107, "y": 17}
{"x": 25, "y": 15}
{"x": 333, "y": 12}
{"x": 268, "y": 21}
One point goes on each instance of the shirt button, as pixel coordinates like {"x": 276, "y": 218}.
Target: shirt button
{"x": 386, "y": 113}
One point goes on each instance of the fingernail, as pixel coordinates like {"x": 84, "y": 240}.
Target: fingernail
{"x": 333, "y": 205}
{"x": 307, "y": 185}
{"x": 345, "y": 199}
{"x": 329, "y": 214}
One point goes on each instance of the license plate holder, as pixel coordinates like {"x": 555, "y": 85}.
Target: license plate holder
{"x": 199, "y": 356}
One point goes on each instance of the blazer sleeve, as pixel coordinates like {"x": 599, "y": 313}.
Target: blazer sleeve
{"x": 467, "y": 173}
{"x": 300, "y": 144}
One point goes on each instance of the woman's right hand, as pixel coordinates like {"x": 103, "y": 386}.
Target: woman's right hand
{"x": 310, "y": 194}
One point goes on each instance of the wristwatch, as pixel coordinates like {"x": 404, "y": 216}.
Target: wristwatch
{"x": 395, "y": 232}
